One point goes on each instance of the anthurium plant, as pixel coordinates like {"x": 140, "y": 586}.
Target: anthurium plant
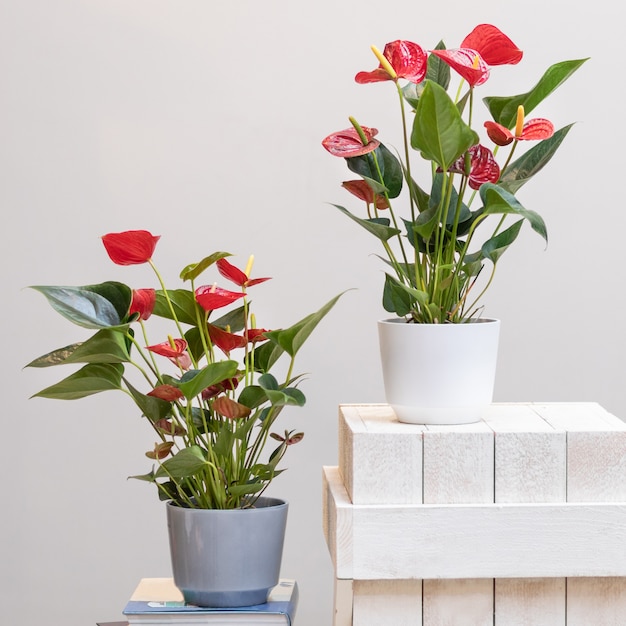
{"x": 466, "y": 213}
{"x": 209, "y": 390}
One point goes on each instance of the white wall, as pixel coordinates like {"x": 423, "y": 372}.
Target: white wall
{"x": 201, "y": 121}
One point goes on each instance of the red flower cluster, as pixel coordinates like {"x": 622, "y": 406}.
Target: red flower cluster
{"x": 485, "y": 47}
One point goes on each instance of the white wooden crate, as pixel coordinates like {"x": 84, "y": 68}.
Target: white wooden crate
{"x": 518, "y": 519}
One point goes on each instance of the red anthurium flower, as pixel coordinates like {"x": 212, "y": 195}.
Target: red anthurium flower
{"x": 234, "y": 274}
{"x": 169, "y": 393}
{"x": 483, "y": 48}
{"x": 143, "y": 303}
{"x": 493, "y": 45}
{"x": 230, "y": 384}
{"x": 407, "y": 59}
{"x": 483, "y": 167}
{"x": 224, "y": 340}
{"x": 347, "y": 143}
{"x": 254, "y": 335}
{"x": 175, "y": 351}
{"x": 533, "y": 130}
{"x": 230, "y": 408}
{"x": 130, "y": 247}
{"x": 363, "y": 191}
{"x": 211, "y": 297}
{"x": 466, "y": 62}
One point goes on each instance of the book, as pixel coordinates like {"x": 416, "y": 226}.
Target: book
{"x": 158, "y": 601}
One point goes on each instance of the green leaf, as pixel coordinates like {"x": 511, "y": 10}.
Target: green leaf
{"x": 194, "y": 270}
{"x": 197, "y": 380}
{"x": 266, "y": 355}
{"x": 252, "y": 396}
{"x": 90, "y": 379}
{"x": 523, "y": 169}
{"x": 504, "y": 109}
{"x": 494, "y": 248}
{"x": 389, "y": 165}
{"x": 286, "y": 397}
{"x": 235, "y": 319}
{"x": 499, "y": 201}
{"x": 291, "y": 339}
{"x": 379, "y": 230}
{"x": 184, "y": 305}
{"x": 399, "y": 298}
{"x": 244, "y": 490}
{"x": 439, "y": 132}
{"x": 153, "y": 408}
{"x": 437, "y": 198}
{"x": 91, "y": 306}
{"x": 186, "y": 462}
{"x": 268, "y": 381}
{"x": 106, "y": 346}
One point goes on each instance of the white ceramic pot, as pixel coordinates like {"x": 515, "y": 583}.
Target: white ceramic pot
{"x": 439, "y": 373}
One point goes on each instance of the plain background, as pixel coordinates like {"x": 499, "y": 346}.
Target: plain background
{"x": 201, "y": 121}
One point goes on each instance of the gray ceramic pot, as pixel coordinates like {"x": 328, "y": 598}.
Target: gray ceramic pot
{"x": 227, "y": 558}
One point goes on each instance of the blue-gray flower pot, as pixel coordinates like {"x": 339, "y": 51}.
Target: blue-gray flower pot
{"x": 227, "y": 558}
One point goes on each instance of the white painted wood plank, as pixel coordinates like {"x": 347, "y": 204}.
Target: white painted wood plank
{"x": 337, "y": 521}
{"x": 380, "y": 459}
{"x": 458, "y": 603}
{"x": 530, "y": 456}
{"x": 372, "y": 542}
{"x": 458, "y": 464}
{"x": 530, "y": 601}
{"x": 596, "y": 472}
{"x": 530, "y": 466}
{"x": 596, "y": 601}
{"x": 596, "y": 467}
{"x": 578, "y": 416}
{"x": 392, "y": 602}
{"x": 342, "y": 602}
{"x": 475, "y": 541}
{"x": 458, "y": 468}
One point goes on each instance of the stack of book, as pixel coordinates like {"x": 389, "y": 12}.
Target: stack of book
{"x": 158, "y": 601}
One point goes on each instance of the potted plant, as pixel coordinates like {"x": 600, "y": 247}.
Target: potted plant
{"x": 442, "y": 248}
{"x": 210, "y": 393}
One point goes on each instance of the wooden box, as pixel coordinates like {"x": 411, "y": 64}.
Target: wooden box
{"x": 517, "y": 519}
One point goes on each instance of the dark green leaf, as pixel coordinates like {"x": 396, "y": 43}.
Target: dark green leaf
{"x": 244, "y": 490}
{"x": 287, "y": 397}
{"x": 268, "y": 381}
{"x": 106, "y": 346}
{"x": 235, "y": 319}
{"x": 197, "y": 380}
{"x": 186, "y": 462}
{"x": 90, "y": 379}
{"x": 266, "y": 355}
{"x": 439, "y": 132}
{"x": 252, "y": 396}
{"x": 184, "y": 306}
{"x": 400, "y": 299}
{"x": 504, "y": 109}
{"x": 376, "y": 228}
{"x": 291, "y": 339}
{"x": 382, "y": 159}
{"x": 494, "y": 248}
{"x": 532, "y": 161}
{"x": 91, "y": 306}
{"x": 153, "y": 408}
{"x": 499, "y": 201}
